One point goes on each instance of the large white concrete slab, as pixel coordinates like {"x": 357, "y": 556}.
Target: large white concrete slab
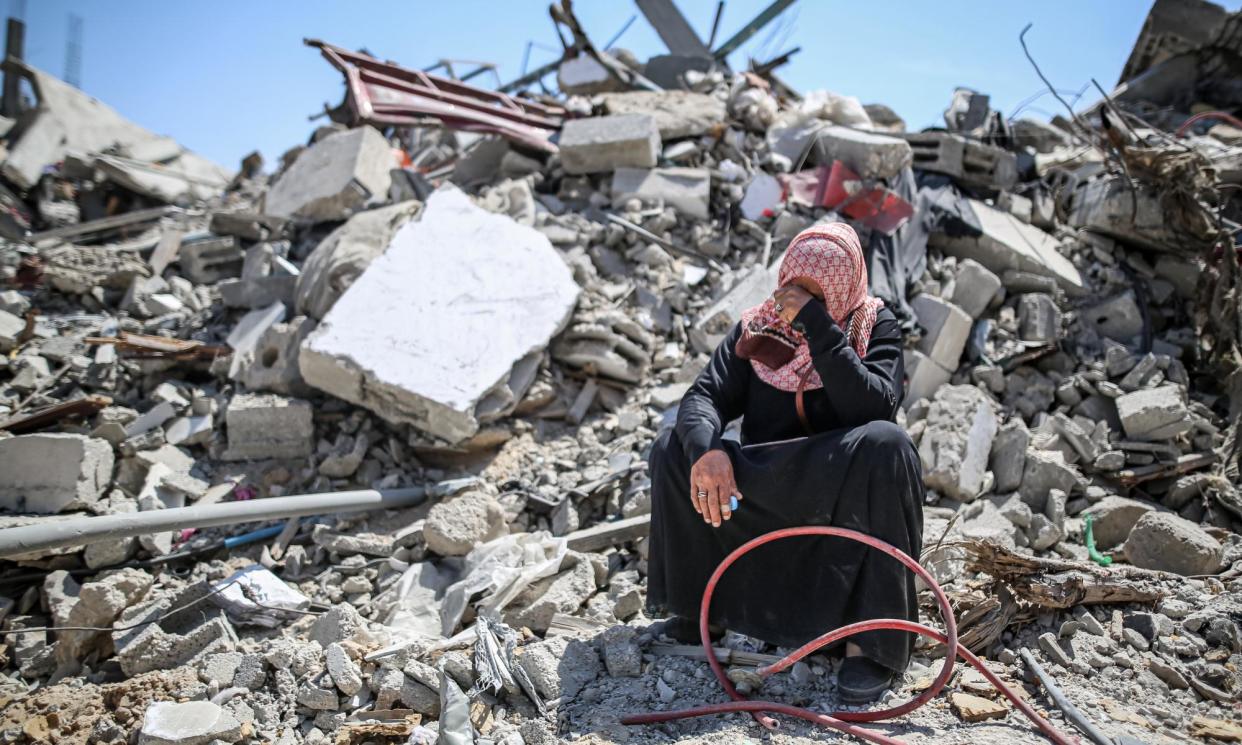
{"x": 433, "y": 331}
{"x": 1008, "y": 243}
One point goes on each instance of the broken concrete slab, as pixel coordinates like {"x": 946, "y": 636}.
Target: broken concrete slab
{"x": 606, "y": 143}
{"x": 947, "y": 327}
{"x": 1009, "y": 244}
{"x": 489, "y": 294}
{"x": 334, "y": 178}
{"x": 676, "y": 113}
{"x": 265, "y": 425}
{"x": 1154, "y": 413}
{"x": 189, "y": 723}
{"x": 1164, "y": 541}
{"x": 1109, "y": 205}
{"x": 341, "y": 258}
{"x": 48, "y": 473}
{"x": 870, "y": 155}
{"x": 687, "y": 190}
{"x": 955, "y": 446}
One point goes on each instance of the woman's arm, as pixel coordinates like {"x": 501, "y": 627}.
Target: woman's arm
{"x": 717, "y": 397}
{"x": 859, "y": 390}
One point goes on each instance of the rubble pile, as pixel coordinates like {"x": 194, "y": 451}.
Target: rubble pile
{"x": 487, "y": 314}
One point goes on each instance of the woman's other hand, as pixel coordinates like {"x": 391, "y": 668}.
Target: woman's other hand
{"x": 711, "y": 486}
{"x": 789, "y": 300}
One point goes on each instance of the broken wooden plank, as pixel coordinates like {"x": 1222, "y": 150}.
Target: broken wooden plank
{"x": 564, "y": 624}
{"x": 723, "y": 654}
{"x": 609, "y": 534}
{"x": 103, "y": 223}
{"x": 49, "y": 415}
{"x": 1184, "y": 464}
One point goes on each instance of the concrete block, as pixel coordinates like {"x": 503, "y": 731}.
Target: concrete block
{"x": 925, "y": 376}
{"x": 968, "y": 162}
{"x": 1039, "y": 319}
{"x": 1008, "y": 457}
{"x": 259, "y": 292}
{"x": 47, "y": 473}
{"x": 184, "y": 637}
{"x": 11, "y": 328}
{"x": 868, "y": 154}
{"x": 272, "y": 363}
{"x": 334, "y": 178}
{"x": 264, "y": 425}
{"x": 947, "y": 327}
{"x": 1154, "y": 413}
{"x": 715, "y": 323}
{"x": 1118, "y": 317}
{"x": 606, "y": 143}
{"x": 485, "y": 294}
{"x": 955, "y": 446}
{"x": 1182, "y": 273}
{"x": 687, "y": 190}
{"x": 676, "y": 113}
{"x": 1044, "y": 471}
{"x": 210, "y": 260}
{"x": 1008, "y": 244}
{"x": 974, "y": 287}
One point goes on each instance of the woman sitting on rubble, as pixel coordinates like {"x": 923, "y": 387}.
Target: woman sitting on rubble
{"x": 816, "y": 373}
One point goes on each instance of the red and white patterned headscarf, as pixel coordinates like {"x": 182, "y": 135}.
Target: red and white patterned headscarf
{"x": 831, "y": 256}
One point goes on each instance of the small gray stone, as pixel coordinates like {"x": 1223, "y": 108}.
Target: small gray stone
{"x": 1135, "y": 639}
{"x": 344, "y": 672}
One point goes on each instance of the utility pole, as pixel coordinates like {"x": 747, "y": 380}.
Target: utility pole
{"x": 14, "y": 49}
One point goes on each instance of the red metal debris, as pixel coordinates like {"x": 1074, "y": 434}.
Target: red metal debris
{"x": 385, "y": 94}
{"x": 839, "y": 188}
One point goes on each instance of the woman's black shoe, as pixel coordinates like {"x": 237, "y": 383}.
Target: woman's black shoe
{"x": 861, "y": 681}
{"x": 686, "y": 631}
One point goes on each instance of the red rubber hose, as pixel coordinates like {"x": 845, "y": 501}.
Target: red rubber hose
{"x": 1233, "y": 120}
{"x": 841, "y": 720}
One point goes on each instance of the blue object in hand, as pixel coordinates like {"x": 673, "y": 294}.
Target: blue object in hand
{"x": 732, "y": 503}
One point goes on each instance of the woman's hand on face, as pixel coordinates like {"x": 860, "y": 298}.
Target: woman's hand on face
{"x": 789, "y": 300}
{"x": 712, "y": 477}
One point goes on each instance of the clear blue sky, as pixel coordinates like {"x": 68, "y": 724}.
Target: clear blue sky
{"x": 227, "y": 77}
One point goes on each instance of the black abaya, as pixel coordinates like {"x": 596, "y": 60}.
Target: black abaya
{"x": 859, "y": 471}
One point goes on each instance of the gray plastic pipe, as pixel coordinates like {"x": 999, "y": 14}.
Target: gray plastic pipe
{"x": 81, "y": 531}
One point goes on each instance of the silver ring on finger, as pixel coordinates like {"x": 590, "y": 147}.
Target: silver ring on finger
{"x": 779, "y": 307}
{"x": 702, "y": 495}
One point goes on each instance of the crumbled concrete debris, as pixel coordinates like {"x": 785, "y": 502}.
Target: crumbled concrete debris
{"x": 1055, "y": 373}
{"x": 455, "y": 526}
{"x": 957, "y": 442}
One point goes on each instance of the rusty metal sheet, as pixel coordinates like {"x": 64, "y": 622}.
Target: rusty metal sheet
{"x": 383, "y": 93}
